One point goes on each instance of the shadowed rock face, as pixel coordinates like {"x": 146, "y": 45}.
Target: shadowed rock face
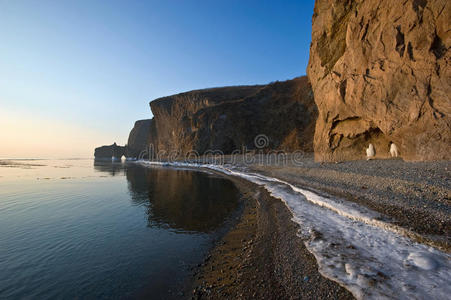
{"x": 140, "y": 138}
{"x": 229, "y": 118}
{"x": 380, "y": 72}
{"x": 107, "y": 152}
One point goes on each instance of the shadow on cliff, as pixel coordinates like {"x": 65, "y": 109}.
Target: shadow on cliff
{"x": 229, "y": 118}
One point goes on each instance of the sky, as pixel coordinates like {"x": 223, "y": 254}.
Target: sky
{"x": 75, "y": 75}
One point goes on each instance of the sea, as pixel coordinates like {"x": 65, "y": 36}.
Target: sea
{"x": 81, "y": 229}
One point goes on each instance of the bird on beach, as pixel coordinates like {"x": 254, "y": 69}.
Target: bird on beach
{"x": 370, "y": 152}
{"x": 393, "y": 150}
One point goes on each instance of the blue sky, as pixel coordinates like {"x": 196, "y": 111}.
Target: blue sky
{"x": 79, "y": 73}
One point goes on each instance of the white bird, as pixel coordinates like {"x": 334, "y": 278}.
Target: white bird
{"x": 393, "y": 150}
{"x": 370, "y": 152}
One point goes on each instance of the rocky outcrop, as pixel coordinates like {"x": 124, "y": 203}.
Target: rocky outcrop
{"x": 230, "y": 118}
{"x": 140, "y": 138}
{"x": 107, "y": 152}
{"x": 380, "y": 72}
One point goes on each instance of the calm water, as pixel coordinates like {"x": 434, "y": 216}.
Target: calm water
{"x": 75, "y": 228}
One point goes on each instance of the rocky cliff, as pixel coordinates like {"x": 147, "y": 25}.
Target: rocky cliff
{"x": 229, "y": 118}
{"x": 140, "y": 138}
{"x": 380, "y": 72}
{"x": 107, "y": 152}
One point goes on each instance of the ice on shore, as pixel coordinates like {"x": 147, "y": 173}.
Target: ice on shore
{"x": 352, "y": 246}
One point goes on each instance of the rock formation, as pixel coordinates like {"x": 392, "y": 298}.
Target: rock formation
{"x": 380, "y": 72}
{"x": 229, "y": 118}
{"x": 140, "y": 138}
{"x": 107, "y": 152}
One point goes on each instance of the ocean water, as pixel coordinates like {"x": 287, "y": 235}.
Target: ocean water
{"x": 79, "y": 229}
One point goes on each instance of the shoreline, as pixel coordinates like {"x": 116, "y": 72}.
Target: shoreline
{"x": 322, "y": 179}
{"x": 414, "y": 197}
{"x": 261, "y": 256}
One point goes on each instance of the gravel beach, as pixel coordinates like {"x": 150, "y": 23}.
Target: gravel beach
{"x": 263, "y": 257}
{"x": 413, "y": 195}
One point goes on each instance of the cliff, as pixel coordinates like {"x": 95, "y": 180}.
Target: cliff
{"x": 107, "y": 152}
{"x": 380, "y": 72}
{"x": 229, "y": 118}
{"x": 140, "y": 138}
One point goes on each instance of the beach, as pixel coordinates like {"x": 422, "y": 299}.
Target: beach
{"x": 262, "y": 257}
{"x": 413, "y": 195}
{"x": 265, "y": 256}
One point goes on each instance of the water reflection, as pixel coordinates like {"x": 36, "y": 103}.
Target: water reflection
{"x": 107, "y": 231}
{"x": 112, "y": 168}
{"x": 181, "y": 200}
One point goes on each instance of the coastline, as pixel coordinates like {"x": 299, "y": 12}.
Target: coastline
{"x": 414, "y": 196}
{"x": 262, "y": 257}
{"x": 233, "y": 269}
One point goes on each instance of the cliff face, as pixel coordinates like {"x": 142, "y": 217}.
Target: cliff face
{"x": 229, "y": 118}
{"x": 107, "y": 152}
{"x": 140, "y": 138}
{"x": 380, "y": 72}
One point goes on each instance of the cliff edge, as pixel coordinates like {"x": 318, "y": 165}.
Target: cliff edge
{"x": 140, "y": 138}
{"x": 230, "y": 118}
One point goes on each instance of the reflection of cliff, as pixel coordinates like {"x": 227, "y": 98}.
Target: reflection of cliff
{"x": 182, "y": 200}
{"x": 108, "y": 167}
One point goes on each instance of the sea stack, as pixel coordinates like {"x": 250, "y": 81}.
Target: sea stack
{"x": 111, "y": 152}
